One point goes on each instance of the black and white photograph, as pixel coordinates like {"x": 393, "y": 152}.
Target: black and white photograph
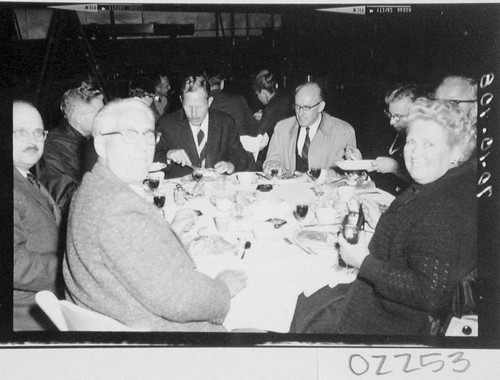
{"x": 310, "y": 189}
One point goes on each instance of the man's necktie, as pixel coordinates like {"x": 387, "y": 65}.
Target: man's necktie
{"x": 31, "y": 179}
{"x": 200, "y": 136}
{"x": 305, "y": 147}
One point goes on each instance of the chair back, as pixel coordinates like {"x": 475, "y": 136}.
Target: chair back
{"x": 70, "y": 317}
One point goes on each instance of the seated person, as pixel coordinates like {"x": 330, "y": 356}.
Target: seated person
{"x": 232, "y": 104}
{"x": 143, "y": 88}
{"x": 461, "y": 91}
{"x": 423, "y": 244}
{"x": 310, "y": 139}
{"x": 389, "y": 161}
{"x": 66, "y": 156}
{"x": 162, "y": 101}
{"x": 198, "y": 136}
{"x": 37, "y": 257}
{"x": 276, "y": 106}
{"x": 123, "y": 259}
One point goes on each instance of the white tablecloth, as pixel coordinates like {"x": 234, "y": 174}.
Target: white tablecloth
{"x": 277, "y": 272}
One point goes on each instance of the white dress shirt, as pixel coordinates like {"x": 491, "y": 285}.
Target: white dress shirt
{"x": 313, "y": 128}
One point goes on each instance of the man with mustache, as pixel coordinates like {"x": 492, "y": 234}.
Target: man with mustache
{"x": 36, "y": 223}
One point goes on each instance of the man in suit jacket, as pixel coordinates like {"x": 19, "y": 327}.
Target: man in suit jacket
{"x": 197, "y": 136}
{"x": 123, "y": 259}
{"x": 232, "y": 104}
{"x": 311, "y": 139}
{"x": 36, "y": 224}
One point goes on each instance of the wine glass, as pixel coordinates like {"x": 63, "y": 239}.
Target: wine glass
{"x": 198, "y": 173}
{"x": 315, "y": 173}
{"x": 301, "y": 211}
{"x": 274, "y": 169}
{"x": 159, "y": 201}
{"x": 153, "y": 183}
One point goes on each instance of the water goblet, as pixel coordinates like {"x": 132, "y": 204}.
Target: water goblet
{"x": 301, "y": 211}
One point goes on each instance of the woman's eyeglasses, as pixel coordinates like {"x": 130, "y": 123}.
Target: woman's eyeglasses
{"x": 129, "y": 136}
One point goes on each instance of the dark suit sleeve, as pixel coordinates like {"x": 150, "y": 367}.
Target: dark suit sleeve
{"x": 60, "y": 183}
{"x": 235, "y": 153}
{"x": 33, "y": 271}
{"x": 162, "y": 147}
{"x": 251, "y": 124}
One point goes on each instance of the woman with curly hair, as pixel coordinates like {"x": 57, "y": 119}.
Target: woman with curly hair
{"x": 423, "y": 245}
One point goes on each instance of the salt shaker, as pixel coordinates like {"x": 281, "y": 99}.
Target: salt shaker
{"x": 179, "y": 195}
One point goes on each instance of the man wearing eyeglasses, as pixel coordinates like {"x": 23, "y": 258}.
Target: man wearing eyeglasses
{"x": 66, "y": 149}
{"x": 311, "y": 139}
{"x": 123, "y": 259}
{"x": 37, "y": 256}
{"x": 461, "y": 91}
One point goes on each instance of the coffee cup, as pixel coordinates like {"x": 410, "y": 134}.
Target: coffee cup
{"x": 245, "y": 178}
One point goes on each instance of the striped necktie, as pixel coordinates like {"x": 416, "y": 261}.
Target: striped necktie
{"x": 31, "y": 179}
{"x": 305, "y": 147}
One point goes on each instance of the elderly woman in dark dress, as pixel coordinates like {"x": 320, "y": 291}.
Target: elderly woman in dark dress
{"x": 423, "y": 244}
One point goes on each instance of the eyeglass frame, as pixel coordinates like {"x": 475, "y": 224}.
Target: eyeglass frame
{"x": 133, "y": 133}
{"x": 298, "y": 108}
{"x": 456, "y": 102}
{"x": 26, "y": 137}
{"x": 396, "y": 117}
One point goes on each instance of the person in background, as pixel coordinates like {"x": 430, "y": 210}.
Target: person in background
{"x": 423, "y": 244}
{"x": 276, "y": 106}
{"x": 65, "y": 156}
{"x": 37, "y": 255}
{"x": 461, "y": 91}
{"x": 200, "y": 136}
{"x": 163, "y": 92}
{"x": 143, "y": 88}
{"x": 232, "y": 104}
{"x": 310, "y": 139}
{"x": 123, "y": 259}
{"x": 388, "y": 170}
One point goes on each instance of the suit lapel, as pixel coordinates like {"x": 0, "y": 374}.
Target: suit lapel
{"x": 188, "y": 141}
{"x": 212, "y": 145}
{"x": 294, "y": 133}
{"x": 42, "y": 197}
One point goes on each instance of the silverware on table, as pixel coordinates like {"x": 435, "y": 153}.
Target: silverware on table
{"x": 306, "y": 250}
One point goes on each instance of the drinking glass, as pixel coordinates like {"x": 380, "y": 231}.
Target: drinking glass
{"x": 198, "y": 173}
{"x": 153, "y": 183}
{"x": 315, "y": 173}
{"x": 301, "y": 211}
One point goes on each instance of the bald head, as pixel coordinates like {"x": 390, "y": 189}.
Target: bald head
{"x": 462, "y": 90}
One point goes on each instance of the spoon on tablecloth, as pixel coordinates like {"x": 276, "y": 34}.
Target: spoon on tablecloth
{"x": 247, "y": 246}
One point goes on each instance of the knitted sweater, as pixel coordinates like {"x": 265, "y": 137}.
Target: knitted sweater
{"x": 424, "y": 243}
{"x": 124, "y": 261}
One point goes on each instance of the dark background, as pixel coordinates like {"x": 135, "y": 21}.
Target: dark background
{"x": 355, "y": 58}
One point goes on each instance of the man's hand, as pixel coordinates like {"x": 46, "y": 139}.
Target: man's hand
{"x": 352, "y": 153}
{"x": 179, "y": 156}
{"x": 224, "y": 167}
{"x": 354, "y": 254}
{"x": 234, "y": 279}
{"x": 258, "y": 115}
{"x": 371, "y": 211}
{"x": 183, "y": 221}
{"x": 384, "y": 165}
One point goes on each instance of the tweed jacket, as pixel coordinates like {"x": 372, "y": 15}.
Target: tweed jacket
{"x": 223, "y": 142}
{"x": 326, "y": 147}
{"x": 37, "y": 258}
{"x": 123, "y": 260}
{"x": 423, "y": 245}
{"x": 236, "y": 106}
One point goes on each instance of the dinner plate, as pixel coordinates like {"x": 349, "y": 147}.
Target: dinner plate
{"x": 354, "y": 164}
{"x": 157, "y": 166}
{"x": 211, "y": 245}
{"x": 318, "y": 237}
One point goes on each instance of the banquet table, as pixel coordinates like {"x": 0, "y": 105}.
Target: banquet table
{"x": 278, "y": 272}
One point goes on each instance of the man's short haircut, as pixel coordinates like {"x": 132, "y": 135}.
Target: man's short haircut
{"x": 265, "y": 80}
{"x": 77, "y": 96}
{"x": 107, "y": 115}
{"x": 402, "y": 91}
{"x": 471, "y": 83}
{"x": 213, "y": 76}
{"x": 314, "y": 85}
{"x": 194, "y": 83}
